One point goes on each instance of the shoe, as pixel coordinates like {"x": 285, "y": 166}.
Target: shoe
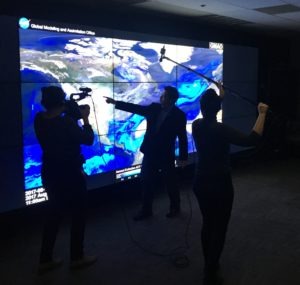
{"x": 83, "y": 262}
{"x": 173, "y": 213}
{"x": 49, "y": 265}
{"x": 142, "y": 215}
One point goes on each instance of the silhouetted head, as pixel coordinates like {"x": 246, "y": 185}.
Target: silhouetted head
{"x": 169, "y": 97}
{"x": 210, "y": 103}
{"x": 52, "y": 97}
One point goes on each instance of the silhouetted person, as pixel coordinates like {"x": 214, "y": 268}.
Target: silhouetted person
{"x": 213, "y": 184}
{"x": 165, "y": 122}
{"x": 60, "y": 138}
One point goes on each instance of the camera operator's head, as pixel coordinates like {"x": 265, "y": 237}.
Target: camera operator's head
{"x": 52, "y": 97}
{"x": 210, "y": 103}
{"x": 169, "y": 96}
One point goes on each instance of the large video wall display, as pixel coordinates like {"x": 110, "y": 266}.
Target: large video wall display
{"x": 124, "y": 69}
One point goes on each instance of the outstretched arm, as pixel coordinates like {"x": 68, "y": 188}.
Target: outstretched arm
{"x": 238, "y": 138}
{"x": 128, "y": 107}
{"x": 110, "y": 100}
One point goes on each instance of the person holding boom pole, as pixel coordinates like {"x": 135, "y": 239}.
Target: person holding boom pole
{"x": 213, "y": 183}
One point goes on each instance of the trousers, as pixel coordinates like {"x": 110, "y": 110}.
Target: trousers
{"x": 151, "y": 169}
{"x": 67, "y": 192}
{"x": 215, "y": 197}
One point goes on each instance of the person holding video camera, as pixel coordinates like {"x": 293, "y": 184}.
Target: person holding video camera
{"x": 213, "y": 183}
{"x": 60, "y": 137}
{"x": 165, "y": 122}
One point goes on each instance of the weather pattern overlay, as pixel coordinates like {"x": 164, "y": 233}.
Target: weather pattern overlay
{"x": 127, "y": 70}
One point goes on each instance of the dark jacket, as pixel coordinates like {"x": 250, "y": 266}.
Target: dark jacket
{"x": 60, "y": 139}
{"x": 212, "y": 140}
{"x": 159, "y": 142}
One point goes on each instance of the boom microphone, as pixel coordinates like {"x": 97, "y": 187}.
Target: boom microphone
{"x": 162, "y": 54}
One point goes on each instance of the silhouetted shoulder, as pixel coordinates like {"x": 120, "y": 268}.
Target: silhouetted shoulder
{"x": 179, "y": 112}
{"x": 155, "y": 106}
{"x": 197, "y": 123}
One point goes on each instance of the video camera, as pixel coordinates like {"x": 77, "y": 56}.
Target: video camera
{"x": 72, "y": 107}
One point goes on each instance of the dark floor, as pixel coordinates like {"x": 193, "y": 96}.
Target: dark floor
{"x": 262, "y": 248}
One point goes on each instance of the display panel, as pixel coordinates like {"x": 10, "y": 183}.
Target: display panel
{"x": 124, "y": 69}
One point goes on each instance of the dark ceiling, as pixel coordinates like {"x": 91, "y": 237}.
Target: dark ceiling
{"x": 269, "y": 17}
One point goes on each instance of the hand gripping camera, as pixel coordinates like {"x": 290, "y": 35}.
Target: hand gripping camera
{"x": 72, "y": 107}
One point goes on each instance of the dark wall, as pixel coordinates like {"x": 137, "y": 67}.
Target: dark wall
{"x": 295, "y": 63}
{"x": 122, "y": 17}
{"x": 11, "y": 151}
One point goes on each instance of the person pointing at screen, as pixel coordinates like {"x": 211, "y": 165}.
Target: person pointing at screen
{"x": 165, "y": 123}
